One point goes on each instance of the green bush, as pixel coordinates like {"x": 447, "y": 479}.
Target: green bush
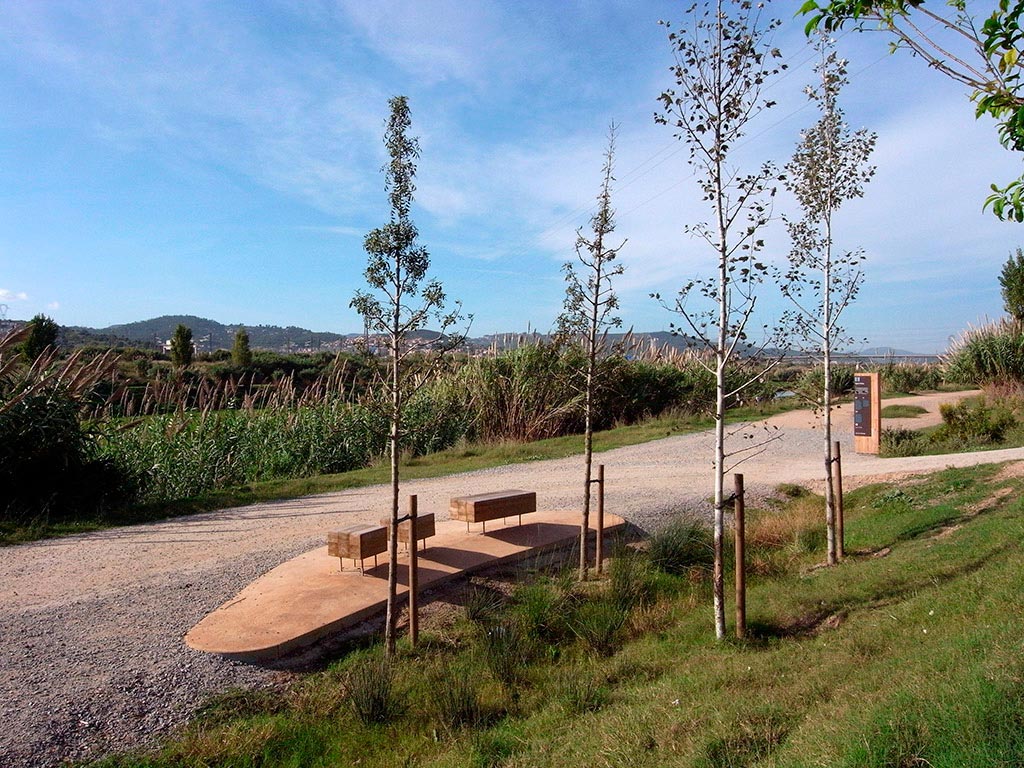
{"x": 975, "y": 421}
{"x": 900, "y": 441}
{"x": 679, "y": 546}
{"x": 812, "y": 383}
{"x": 910, "y": 377}
{"x": 455, "y": 696}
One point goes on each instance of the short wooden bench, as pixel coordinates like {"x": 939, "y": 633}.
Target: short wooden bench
{"x": 357, "y": 542}
{"x": 490, "y": 506}
{"x": 424, "y": 528}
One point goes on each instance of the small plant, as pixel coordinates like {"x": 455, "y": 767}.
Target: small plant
{"x": 582, "y": 691}
{"x": 599, "y": 624}
{"x": 901, "y": 441}
{"x": 481, "y": 604}
{"x": 455, "y": 696}
{"x": 369, "y": 687}
{"x": 507, "y": 651}
{"x": 631, "y": 583}
{"x": 679, "y": 546}
{"x": 892, "y": 498}
{"x": 792, "y": 490}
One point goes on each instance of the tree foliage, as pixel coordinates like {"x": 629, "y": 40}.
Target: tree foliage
{"x": 982, "y": 52}
{"x": 182, "y": 350}
{"x": 241, "y": 353}
{"x": 42, "y": 334}
{"x": 1011, "y": 284}
{"x": 723, "y": 60}
{"x": 590, "y": 302}
{"x": 400, "y": 302}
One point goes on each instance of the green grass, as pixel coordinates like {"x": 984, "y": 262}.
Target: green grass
{"x": 463, "y": 458}
{"x": 908, "y": 653}
{"x": 902, "y": 411}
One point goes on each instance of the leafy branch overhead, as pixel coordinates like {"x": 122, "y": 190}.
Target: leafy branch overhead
{"x": 981, "y": 52}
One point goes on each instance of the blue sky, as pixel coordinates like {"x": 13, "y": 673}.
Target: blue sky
{"x": 222, "y": 159}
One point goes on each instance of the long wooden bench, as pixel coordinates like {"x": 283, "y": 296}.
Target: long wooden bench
{"x": 490, "y": 506}
{"x": 357, "y": 542}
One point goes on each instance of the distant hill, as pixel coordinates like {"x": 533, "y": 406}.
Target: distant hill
{"x": 208, "y": 334}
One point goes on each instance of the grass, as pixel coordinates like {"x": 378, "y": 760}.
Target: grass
{"x": 908, "y": 653}
{"x": 902, "y": 411}
{"x": 463, "y": 458}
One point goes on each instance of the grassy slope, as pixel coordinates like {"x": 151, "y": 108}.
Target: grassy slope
{"x": 908, "y": 656}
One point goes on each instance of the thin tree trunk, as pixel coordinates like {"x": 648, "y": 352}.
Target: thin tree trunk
{"x": 718, "y": 577}
{"x": 396, "y": 416}
{"x": 830, "y": 506}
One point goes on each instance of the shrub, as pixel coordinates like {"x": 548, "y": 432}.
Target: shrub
{"x": 910, "y": 377}
{"x": 900, "y": 441}
{"x": 990, "y": 355}
{"x": 679, "y": 546}
{"x": 812, "y": 383}
{"x": 972, "y": 421}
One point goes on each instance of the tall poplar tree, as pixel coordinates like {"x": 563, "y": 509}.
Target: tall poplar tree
{"x": 401, "y": 301}
{"x": 723, "y": 60}
{"x": 590, "y": 303}
{"x": 829, "y": 167}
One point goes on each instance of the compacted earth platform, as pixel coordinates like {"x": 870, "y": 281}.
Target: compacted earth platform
{"x": 310, "y": 597}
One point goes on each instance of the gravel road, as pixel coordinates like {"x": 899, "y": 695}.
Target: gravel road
{"x": 91, "y": 626}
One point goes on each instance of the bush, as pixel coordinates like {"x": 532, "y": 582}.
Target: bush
{"x": 975, "y": 421}
{"x": 812, "y": 383}
{"x": 900, "y": 441}
{"x": 910, "y": 377}
{"x": 679, "y": 546}
{"x": 992, "y": 355}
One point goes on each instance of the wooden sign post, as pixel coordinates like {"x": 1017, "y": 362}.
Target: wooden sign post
{"x": 867, "y": 412}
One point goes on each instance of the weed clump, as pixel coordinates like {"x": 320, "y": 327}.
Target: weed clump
{"x": 680, "y": 546}
{"x": 370, "y": 690}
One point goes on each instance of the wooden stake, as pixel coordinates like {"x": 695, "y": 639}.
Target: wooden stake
{"x": 837, "y": 484}
{"x": 599, "y": 546}
{"x": 414, "y": 565}
{"x": 741, "y": 574}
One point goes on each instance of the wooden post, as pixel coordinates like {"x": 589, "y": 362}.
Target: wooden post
{"x": 741, "y": 575}
{"x": 599, "y": 546}
{"x": 414, "y": 617}
{"x": 837, "y": 485}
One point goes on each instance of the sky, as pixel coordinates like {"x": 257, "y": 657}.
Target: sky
{"x": 223, "y": 159}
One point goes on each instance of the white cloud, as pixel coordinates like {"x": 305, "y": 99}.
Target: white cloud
{"x": 53, "y": 305}
{"x": 7, "y": 294}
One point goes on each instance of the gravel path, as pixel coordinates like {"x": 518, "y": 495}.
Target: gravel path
{"x": 91, "y": 626}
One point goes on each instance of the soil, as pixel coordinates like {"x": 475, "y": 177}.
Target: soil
{"x": 92, "y": 658}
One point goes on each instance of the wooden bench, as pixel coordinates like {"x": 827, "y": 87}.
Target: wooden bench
{"x": 424, "y": 528}
{"x": 490, "y": 506}
{"x": 357, "y": 542}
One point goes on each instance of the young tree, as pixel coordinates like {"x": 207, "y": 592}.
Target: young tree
{"x": 829, "y": 167}
{"x": 181, "y": 347}
{"x": 42, "y": 334}
{"x": 589, "y": 304}
{"x": 1011, "y": 282}
{"x": 241, "y": 354}
{"x": 399, "y": 304}
{"x": 722, "y": 63}
{"x": 979, "y": 51}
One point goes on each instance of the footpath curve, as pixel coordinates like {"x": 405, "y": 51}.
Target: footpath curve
{"x": 92, "y": 657}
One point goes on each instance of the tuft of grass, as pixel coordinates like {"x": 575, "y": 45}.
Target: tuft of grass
{"x": 370, "y": 689}
{"x": 680, "y": 546}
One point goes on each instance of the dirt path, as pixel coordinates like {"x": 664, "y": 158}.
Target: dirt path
{"x": 91, "y": 655}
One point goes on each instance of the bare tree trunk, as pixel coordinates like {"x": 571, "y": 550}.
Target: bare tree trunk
{"x": 826, "y": 348}
{"x": 391, "y": 618}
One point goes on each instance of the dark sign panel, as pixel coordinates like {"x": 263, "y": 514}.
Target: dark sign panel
{"x": 862, "y": 406}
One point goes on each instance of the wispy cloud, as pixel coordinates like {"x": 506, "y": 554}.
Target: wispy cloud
{"x": 6, "y": 294}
